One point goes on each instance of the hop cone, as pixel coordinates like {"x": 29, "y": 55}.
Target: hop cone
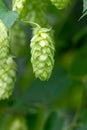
{"x": 61, "y": 4}
{"x": 7, "y": 65}
{"x": 42, "y": 53}
{"x": 18, "y": 5}
{"x": 33, "y": 10}
{"x": 18, "y": 40}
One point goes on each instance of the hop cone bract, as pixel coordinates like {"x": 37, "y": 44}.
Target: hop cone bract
{"x": 7, "y": 65}
{"x": 42, "y": 53}
{"x": 60, "y": 4}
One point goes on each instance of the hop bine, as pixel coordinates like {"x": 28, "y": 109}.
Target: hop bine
{"x": 42, "y": 53}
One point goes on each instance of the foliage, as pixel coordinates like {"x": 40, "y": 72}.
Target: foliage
{"x": 60, "y": 102}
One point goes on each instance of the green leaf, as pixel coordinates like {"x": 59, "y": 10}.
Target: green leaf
{"x": 7, "y": 16}
{"x": 84, "y": 5}
{"x": 84, "y": 9}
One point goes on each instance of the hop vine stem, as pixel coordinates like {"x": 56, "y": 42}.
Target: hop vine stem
{"x": 32, "y": 23}
{"x": 35, "y": 24}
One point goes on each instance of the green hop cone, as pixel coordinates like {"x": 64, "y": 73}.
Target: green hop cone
{"x": 7, "y": 78}
{"x": 42, "y": 53}
{"x": 18, "y": 5}
{"x": 7, "y": 65}
{"x": 33, "y": 10}
{"x": 60, "y": 4}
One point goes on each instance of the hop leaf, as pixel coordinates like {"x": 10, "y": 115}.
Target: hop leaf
{"x": 7, "y": 65}
{"x": 42, "y": 53}
{"x": 31, "y": 10}
{"x": 60, "y": 4}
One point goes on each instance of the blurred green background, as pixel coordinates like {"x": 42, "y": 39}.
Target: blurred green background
{"x": 61, "y": 102}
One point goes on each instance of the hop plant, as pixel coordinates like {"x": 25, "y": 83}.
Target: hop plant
{"x": 33, "y": 10}
{"x": 18, "y": 40}
{"x": 60, "y": 4}
{"x": 7, "y": 65}
{"x": 42, "y": 53}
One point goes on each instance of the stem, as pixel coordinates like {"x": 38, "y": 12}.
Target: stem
{"x": 32, "y": 23}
